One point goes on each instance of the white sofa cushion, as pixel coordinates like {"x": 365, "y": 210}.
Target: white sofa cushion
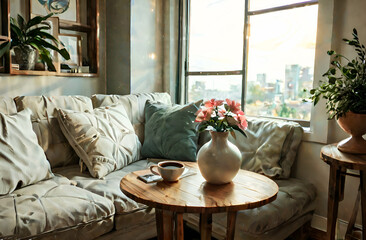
{"x": 45, "y": 125}
{"x": 22, "y": 160}
{"x": 54, "y": 209}
{"x": 270, "y": 146}
{"x": 109, "y": 187}
{"x": 104, "y": 139}
{"x": 134, "y": 105}
{"x": 7, "y": 105}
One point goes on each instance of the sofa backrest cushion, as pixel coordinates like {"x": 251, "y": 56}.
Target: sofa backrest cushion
{"x": 7, "y": 105}
{"x": 45, "y": 124}
{"x": 134, "y": 105}
{"x": 22, "y": 160}
{"x": 170, "y": 131}
{"x": 270, "y": 146}
{"x": 104, "y": 139}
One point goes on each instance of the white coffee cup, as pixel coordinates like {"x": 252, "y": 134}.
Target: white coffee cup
{"x": 169, "y": 170}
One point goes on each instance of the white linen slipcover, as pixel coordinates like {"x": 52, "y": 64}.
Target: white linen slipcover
{"x": 7, "y": 105}
{"x": 56, "y": 209}
{"x": 45, "y": 124}
{"x": 130, "y": 215}
{"x": 134, "y": 105}
{"x": 104, "y": 139}
{"x": 270, "y": 147}
{"x": 22, "y": 160}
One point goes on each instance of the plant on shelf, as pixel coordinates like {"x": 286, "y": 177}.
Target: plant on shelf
{"x": 345, "y": 88}
{"x": 29, "y": 37}
{"x": 345, "y": 95}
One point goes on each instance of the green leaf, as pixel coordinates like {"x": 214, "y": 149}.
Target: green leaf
{"x": 16, "y": 30}
{"x": 37, "y": 20}
{"x": 330, "y": 52}
{"x": 355, "y": 31}
{"x": 46, "y": 35}
{"x": 4, "y": 47}
{"x": 46, "y": 57}
{"x": 64, "y": 53}
{"x": 21, "y": 22}
{"x": 238, "y": 129}
{"x": 35, "y": 31}
{"x": 332, "y": 80}
{"x": 312, "y": 91}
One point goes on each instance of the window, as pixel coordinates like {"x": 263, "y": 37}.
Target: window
{"x": 258, "y": 52}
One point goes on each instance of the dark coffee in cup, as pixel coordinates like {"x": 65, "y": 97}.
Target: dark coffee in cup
{"x": 169, "y": 170}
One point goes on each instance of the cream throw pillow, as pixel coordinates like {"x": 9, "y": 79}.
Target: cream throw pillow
{"x": 22, "y": 160}
{"x": 104, "y": 139}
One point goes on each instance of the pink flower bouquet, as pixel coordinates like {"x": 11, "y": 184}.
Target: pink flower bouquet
{"x": 221, "y": 116}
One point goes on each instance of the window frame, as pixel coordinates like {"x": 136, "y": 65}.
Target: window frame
{"x": 315, "y": 130}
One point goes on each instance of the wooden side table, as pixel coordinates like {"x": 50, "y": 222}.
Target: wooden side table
{"x": 193, "y": 195}
{"x": 339, "y": 163}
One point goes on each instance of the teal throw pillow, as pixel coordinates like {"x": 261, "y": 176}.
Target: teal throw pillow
{"x": 170, "y": 131}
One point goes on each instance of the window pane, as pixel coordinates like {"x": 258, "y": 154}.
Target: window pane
{"x": 265, "y": 4}
{"x": 216, "y": 35}
{"x": 280, "y": 62}
{"x": 219, "y": 87}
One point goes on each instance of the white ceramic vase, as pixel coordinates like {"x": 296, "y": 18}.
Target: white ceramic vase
{"x": 219, "y": 160}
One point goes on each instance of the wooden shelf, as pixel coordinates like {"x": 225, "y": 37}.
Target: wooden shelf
{"x": 48, "y": 73}
{"x": 32, "y": 72}
{"x": 78, "y": 74}
{"x": 91, "y": 28}
{"x": 74, "y": 26}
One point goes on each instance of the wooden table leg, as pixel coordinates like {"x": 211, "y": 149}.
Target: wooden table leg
{"x": 230, "y": 227}
{"x": 352, "y": 220}
{"x": 205, "y": 226}
{"x": 363, "y": 202}
{"x": 333, "y": 200}
{"x": 179, "y": 230}
{"x": 164, "y": 224}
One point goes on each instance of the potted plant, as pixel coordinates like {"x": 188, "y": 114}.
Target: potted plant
{"x": 30, "y": 38}
{"x": 345, "y": 95}
{"x": 219, "y": 160}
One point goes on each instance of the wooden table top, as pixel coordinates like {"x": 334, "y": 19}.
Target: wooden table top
{"x": 330, "y": 154}
{"x": 192, "y": 194}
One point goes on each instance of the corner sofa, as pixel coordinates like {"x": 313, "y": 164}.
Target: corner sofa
{"x": 74, "y": 205}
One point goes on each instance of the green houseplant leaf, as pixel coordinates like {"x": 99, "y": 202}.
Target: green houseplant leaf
{"x": 33, "y": 33}
{"x": 345, "y": 89}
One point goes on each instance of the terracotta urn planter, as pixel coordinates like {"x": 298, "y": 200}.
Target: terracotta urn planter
{"x": 355, "y": 125}
{"x": 219, "y": 160}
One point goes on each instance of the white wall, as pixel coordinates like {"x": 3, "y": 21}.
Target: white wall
{"x": 146, "y": 46}
{"x": 348, "y": 14}
{"x": 52, "y": 85}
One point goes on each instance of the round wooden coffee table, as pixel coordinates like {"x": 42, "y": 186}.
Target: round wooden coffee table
{"x": 193, "y": 195}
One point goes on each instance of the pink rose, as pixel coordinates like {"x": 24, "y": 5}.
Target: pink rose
{"x": 213, "y": 103}
{"x": 233, "y": 106}
{"x": 242, "y": 122}
{"x": 203, "y": 114}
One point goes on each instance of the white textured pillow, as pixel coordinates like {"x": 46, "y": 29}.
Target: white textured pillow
{"x": 104, "y": 139}
{"x": 22, "y": 160}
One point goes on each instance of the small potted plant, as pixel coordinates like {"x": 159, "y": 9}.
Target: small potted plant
{"x": 345, "y": 95}
{"x": 30, "y": 38}
{"x": 219, "y": 160}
